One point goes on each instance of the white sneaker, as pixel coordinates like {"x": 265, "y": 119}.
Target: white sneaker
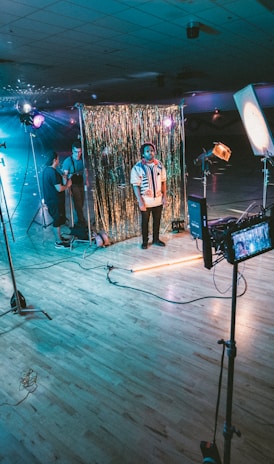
{"x": 62, "y": 244}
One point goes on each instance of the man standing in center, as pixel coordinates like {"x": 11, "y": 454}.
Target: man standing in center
{"x": 54, "y": 197}
{"x": 73, "y": 168}
{"x": 148, "y": 178}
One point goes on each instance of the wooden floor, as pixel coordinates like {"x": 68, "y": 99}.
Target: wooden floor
{"x": 127, "y": 369}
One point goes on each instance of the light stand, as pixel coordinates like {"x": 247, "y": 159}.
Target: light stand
{"x": 79, "y": 106}
{"x": 42, "y": 208}
{"x": 257, "y": 128}
{"x": 5, "y": 200}
{"x": 229, "y": 430}
{"x": 205, "y": 170}
{"x": 203, "y": 160}
{"x": 17, "y": 296}
{"x": 219, "y": 150}
{"x": 266, "y": 176}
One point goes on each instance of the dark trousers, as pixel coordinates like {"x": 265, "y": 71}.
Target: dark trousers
{"x": 78, "y": 196}
{"x": 156, "y": 217}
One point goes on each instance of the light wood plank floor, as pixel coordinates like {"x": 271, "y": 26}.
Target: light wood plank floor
{"x": 127, "y": 370}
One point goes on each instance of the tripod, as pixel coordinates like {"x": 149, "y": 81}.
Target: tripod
{"x": 17, "y": 296}
{"x": 42, "y": 210}
{"x": 229, "y": 430}
{"x": 209, "y": 449}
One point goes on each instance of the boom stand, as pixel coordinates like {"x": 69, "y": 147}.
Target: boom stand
{"x": 231, "y": 352}
{"x": 42, "y": 208}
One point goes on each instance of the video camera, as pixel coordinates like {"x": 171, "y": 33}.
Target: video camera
{"x": 235, "y": 239}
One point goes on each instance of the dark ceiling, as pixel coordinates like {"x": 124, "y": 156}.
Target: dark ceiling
{"x": 57, "y": 53}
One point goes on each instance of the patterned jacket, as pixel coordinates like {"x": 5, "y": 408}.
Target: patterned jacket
{"x": 149, "y": 177}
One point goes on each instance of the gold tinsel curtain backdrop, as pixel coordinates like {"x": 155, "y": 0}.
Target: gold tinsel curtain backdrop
{"x": 114, "y": 135}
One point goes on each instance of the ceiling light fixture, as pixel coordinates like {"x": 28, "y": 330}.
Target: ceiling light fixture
{"x": 192, "y": 30}
{"x": 216, "y": 114}
{"x": 24, "y": 107}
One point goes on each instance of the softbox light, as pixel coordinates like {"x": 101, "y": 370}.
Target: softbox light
{"x": 254, "y": 121}
{"x": 220, "y": 150}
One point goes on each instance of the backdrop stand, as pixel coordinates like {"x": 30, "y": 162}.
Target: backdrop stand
{"x": 184, "y": 168}
{"x": 79, "y": 106}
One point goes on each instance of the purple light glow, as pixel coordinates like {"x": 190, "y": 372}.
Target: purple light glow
{"x": 38, "y": 120}
{"x": 167, "y": 122}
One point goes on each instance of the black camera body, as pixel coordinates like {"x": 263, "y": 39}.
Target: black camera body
{"x": 210, "y": 453}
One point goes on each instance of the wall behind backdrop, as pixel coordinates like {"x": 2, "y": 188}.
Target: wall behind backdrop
{"x": 114, "y": 135}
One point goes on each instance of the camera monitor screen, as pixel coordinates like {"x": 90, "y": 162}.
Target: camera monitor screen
{"x": 248, "y": 242}
{"x": 254, "y": 121}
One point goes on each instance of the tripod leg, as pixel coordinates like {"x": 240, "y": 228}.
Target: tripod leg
{"x": 43, "y": 222}
{"x": 33, "y": 219}
{"x": 71, "y": 209}
{"x": 16, "y": 294}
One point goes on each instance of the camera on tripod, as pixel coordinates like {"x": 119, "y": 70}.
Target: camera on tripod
{"x": 210, "y": 453}
{"x": 235, "y": 239}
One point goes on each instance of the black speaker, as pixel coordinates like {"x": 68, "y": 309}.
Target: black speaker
{"x": 22, "y": 301}
{"x": 197, "y": 211}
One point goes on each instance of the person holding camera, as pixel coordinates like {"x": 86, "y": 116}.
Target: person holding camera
{"x": 73, "y": 169}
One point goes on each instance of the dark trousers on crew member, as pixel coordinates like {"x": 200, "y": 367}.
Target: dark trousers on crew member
{"x": 156, "y": 213}
{"x": 78, "y": 196}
